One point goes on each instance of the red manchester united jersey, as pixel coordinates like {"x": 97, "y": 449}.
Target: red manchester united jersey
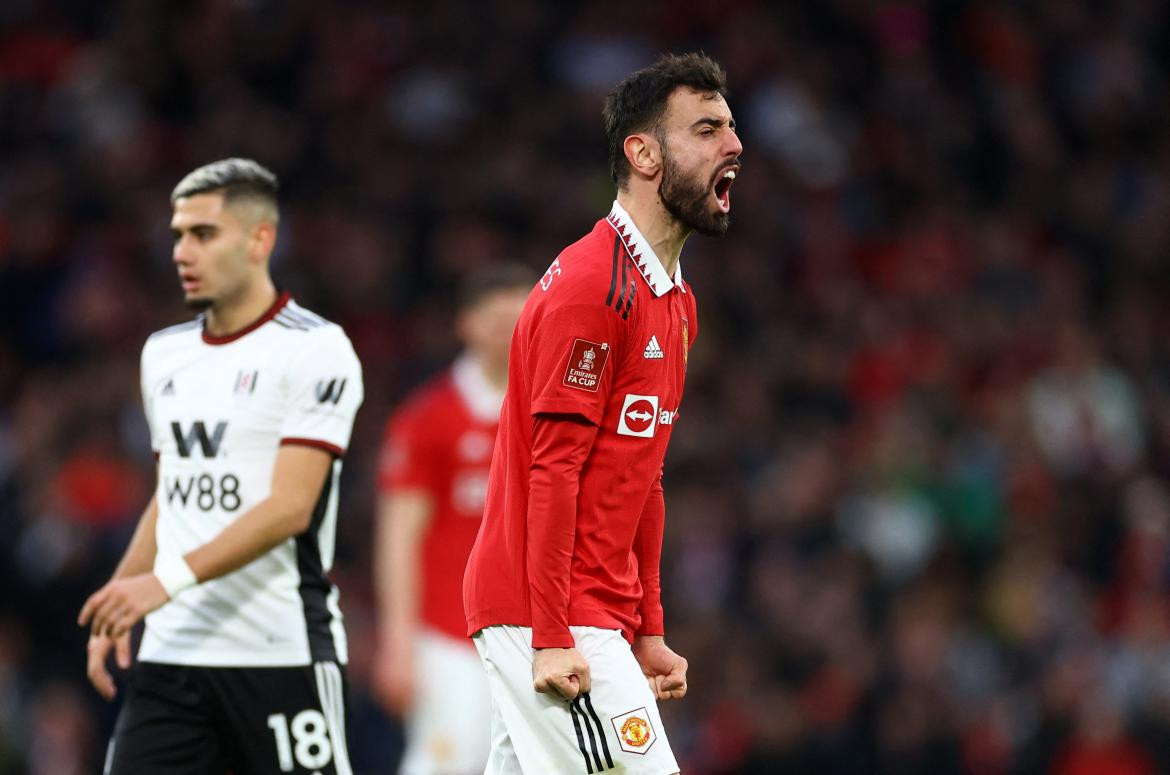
{"x": 440, "y": 442}
{"x": 603, "y": 338}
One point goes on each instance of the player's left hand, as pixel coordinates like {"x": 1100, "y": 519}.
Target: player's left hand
{"x": 121, "y": 604}
{"x": 665, "y": 671}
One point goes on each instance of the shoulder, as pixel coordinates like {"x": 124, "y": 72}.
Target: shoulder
{"x": 594, "y": 271}
{"x": 178, "y": 335}
{"x": 309, "y": 330}
{"x": 189, "y": 326}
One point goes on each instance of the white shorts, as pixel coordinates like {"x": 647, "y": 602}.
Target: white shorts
{"x": 615, "y": 726}
{"x": 448, "y": 730}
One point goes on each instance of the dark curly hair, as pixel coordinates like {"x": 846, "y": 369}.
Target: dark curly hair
{"x": 638, "y": 103}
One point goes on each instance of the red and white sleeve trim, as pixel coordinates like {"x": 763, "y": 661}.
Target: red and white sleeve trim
{"x": 325, "y": 445}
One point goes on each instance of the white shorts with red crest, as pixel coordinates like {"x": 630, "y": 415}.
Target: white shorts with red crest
{"x": 615, "y": 726}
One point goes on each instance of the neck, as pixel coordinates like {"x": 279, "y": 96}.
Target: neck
{"x": 495, "y": 373}
{"x": 662, "y": 230}
{"x": 232, "y": 315}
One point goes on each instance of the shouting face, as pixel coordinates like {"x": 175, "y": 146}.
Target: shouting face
{"x": 700, "y": 159}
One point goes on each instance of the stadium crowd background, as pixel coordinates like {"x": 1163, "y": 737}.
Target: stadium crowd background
{"x": 918, "y": 514}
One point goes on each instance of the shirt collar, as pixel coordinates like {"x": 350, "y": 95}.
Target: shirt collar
{"x": 644, "y": 256}
{"x": 482, "y": 398}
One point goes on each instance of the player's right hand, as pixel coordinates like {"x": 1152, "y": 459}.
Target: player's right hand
{"x": 97, "y": 652}
{"x": 563, "y": 671}
{"x": 394, "y": 680}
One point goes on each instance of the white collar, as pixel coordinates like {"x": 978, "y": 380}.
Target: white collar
{"x": 483, "y": 400}
{"x": 644, "y": 256}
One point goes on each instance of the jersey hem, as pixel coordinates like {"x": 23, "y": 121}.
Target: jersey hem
{"x": 578, "y": 617}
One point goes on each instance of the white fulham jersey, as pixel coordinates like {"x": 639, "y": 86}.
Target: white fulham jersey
{"x": 219, "y": 409}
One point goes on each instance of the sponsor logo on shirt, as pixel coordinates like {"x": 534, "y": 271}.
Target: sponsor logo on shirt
{"x": 634, "y": 731}
{"x": 586, "y": 363}
{"x": 639, "y": 416}
{"x": 329, "y": 392}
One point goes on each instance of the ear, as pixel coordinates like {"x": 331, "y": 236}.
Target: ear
{"x": 644, "y": 154}
{"x": 262, "y": 241}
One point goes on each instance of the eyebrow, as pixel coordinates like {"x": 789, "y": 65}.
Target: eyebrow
{"x": 715, "y": 122}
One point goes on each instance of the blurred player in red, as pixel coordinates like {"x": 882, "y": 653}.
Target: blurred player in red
{"x": 432, "y": 481}
{"x": 562, "y": 588}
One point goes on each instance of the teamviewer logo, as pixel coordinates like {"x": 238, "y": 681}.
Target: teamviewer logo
{"x": 639, "y": 416}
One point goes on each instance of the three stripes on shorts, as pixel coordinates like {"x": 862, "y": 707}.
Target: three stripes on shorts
{"x": 587, "y": 718}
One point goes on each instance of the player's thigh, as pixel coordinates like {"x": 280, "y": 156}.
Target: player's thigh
{"x": 164, "y": 726}
{"x": 449, "y": 728}
{"x": 283, "y": 720}
{"x": 615, "y": 726}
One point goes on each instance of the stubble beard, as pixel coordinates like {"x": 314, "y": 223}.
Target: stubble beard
{"x": 199, "y": 304}
{"x": 685, "y": 198}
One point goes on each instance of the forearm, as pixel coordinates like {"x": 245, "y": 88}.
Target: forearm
{"x": 648, "y": 549}
{"x": 402, "y": 519}
{"x": 139, "y": 555}
{"x": 560, "y": 447}
{"x": 257, "y": 531}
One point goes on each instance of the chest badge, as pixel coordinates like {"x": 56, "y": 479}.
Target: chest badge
{"x": 246, "y": 382}
{"x": 686, "y": 340}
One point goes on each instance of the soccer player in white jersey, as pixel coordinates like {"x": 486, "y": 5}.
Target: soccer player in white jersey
{"x": 250, "y": 408}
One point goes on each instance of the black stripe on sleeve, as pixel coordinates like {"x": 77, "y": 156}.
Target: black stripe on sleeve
{"x": 625, "y": 289}
{"x": 600, "y": 729}
{"x": 617, "y": 245}
{"x": 580, "y": 737}
{"x": 630, "y": 302}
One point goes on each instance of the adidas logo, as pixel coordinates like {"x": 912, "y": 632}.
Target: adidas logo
{"x": 169, "y": 388}
{"x": 653, "y": 351}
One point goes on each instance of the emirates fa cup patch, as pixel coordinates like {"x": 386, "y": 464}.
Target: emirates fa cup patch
{"x": 634, "y": 733}
{"x": 586, "y": 362}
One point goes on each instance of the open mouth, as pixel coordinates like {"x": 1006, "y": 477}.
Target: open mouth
{"x": 722, "y": 189}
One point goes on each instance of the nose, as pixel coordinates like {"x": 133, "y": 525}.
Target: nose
{"x": 181, "y": 252}
{"x": 732, "y": 146}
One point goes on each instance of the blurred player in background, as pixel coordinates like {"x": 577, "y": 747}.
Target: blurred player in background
{"x": 432, "y": 480}
{"x": 250, "y": 408}
{"x": 562, "y": 588}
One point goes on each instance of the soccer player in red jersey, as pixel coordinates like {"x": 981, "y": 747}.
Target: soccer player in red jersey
{"x": 432, "y": 480}
{"x": 562, "y": 587}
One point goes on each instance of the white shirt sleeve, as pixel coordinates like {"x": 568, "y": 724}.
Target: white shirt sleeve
{"x": 324, "y": 391}
{"x": 147, "y": 395}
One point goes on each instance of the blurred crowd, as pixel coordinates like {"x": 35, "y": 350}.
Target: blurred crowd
{"x": 918, "y": 507}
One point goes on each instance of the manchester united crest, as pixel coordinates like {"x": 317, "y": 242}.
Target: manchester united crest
{"x": 634, "y": 732}
{"x": 686, "y": 341}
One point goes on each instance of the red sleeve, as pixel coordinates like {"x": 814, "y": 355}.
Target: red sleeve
{"x": 560, "y": 445}
{"x": 408, "y": 458}
{"x": 648, "y": 549}
{"x": 573, "y": 355}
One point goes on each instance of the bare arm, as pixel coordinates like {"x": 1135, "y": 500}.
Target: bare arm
{"x": 297, "y": 478}
{"x": 137, "y": 559}
{"x": 139, "y": 555}
{"x": 402, "y": 521}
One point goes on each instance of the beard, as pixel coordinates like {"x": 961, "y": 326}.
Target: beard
{"x": 199, "y": 304}
{"x": 686, "y": 198}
